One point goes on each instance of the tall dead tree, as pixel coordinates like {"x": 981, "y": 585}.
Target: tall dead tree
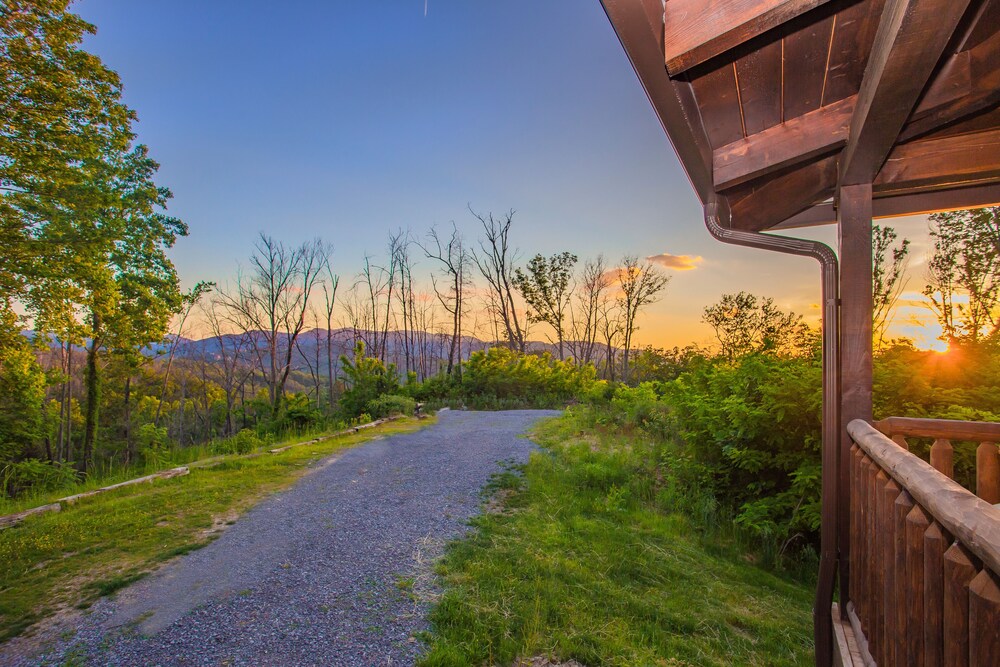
{"x": 271, "y": 301}
{"x": 454, "y": 262}
{"x": 586, "y": 313}
{"x": 495, "y": 261}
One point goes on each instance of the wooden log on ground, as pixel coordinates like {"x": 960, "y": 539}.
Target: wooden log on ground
{"x": 16, "y": 518}
{"x": 166, "y": 474}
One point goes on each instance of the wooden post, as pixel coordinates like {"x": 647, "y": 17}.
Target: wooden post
{"x": 854, "y": 226}
{"x": 988, "y": 473}
{"x": 942, "y": 457}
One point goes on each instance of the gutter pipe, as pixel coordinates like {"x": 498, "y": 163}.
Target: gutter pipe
{"x": 717, "y": 210}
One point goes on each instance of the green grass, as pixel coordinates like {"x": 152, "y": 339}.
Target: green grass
{"x": 68, "y": 559}
{"x": 591, "y": 561}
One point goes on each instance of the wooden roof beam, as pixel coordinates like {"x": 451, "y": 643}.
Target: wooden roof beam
{"x": 912, "y": 35}
{"x": 792, "y": 142}
{"x": 697, "y": 30}
{"x": 947, "y": 162}
{"x": 759, "y": 207}
{"x": 969, "y": 82}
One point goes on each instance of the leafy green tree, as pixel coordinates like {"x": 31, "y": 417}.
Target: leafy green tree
{"x": 62, "y": 114}
{"x": 745, "y": 323}
{"x": 965, "y": 264}
{"x": 546, "y": 286}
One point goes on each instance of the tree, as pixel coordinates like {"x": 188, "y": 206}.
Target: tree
{"x": 889, "y": 265}
{"x": 586, "y": 317}
{"x": 270, "y": 305}
{"x": 640, "y": 285}
{"x": 454, "y": 262}
{"x": 547, "y": 287}
{"x": 62, "y": 116}
{"x": 495, "y": 261}
{"x": 746, "y": 324}
{"x": 965, "y": 264}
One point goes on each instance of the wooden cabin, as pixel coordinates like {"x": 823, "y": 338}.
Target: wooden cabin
{"x": 788, "y": 113}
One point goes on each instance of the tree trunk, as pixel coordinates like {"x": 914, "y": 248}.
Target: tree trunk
{"x": 130, "y": 452}
{"x": 93, "y": 399}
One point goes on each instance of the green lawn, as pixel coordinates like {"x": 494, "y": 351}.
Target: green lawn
{"x": 64, "y": 559}
{"x": 588, "y": 562}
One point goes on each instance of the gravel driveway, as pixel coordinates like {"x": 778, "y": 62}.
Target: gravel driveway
{"x": 328, "y": 572}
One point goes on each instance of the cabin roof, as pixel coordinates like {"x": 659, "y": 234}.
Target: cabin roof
{"x": 771, "y": 104}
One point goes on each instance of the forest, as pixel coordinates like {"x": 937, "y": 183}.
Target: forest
{"x": 107, "y": 364}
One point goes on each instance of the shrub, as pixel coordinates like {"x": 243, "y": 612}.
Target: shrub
{"x": 243, "y": 442}
{"x": 391, "y": 404}
{"x": 35, "y": 475}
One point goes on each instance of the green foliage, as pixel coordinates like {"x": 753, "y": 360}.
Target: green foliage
{"x": 545, "y": 286}
{"x": 36, "y": 475}
{"x": 965, "y": 262}
{"x": 367, "y": 379}
{"x": 539, "y": 380}
{"x": 390, "y": 405}
{"x": 244, "y": 442}
{"x": 745, "y": 323}
{"x": 22, "y": 388}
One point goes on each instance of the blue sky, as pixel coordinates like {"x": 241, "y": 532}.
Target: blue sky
{"x": 346, "y": 120}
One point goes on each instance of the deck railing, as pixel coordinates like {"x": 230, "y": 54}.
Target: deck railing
{"x": 925, "y": 552}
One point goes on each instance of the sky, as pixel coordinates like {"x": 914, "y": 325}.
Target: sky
{"x": 348, "y": 120}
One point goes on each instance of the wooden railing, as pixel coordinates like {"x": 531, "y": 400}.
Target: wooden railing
{"x": 925, "y": 552}
{"x": 946, "y": 432}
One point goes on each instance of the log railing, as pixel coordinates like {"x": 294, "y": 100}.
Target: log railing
{"x": 925, "y": 555}
{"x": 946, "y": 432}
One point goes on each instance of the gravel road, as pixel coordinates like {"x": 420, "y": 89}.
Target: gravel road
{"x": 329, "y": 572}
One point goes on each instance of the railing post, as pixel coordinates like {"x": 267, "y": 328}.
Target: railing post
{"x": 988, "y": 473}
{"x": 942, "y": 457}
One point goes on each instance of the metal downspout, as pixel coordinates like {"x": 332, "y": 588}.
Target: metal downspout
{"x": 715, "y": 210}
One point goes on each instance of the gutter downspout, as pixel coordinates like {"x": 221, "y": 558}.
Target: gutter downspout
{"x": 716, "y": 210}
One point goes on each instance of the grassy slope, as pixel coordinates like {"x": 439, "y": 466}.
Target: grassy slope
{"x": 588, "y": 564}
{"x": 70, "y": 558}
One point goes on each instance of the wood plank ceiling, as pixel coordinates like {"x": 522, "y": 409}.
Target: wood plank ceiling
{"x": 778, "y": 101}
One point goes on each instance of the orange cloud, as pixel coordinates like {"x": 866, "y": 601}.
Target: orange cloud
{"x": 675, "y": 262}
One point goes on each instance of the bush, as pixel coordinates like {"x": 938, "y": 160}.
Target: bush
{"x": 508, "y": 377}
{"x": 243, "y": 442}
{"x": 35, "y": 475}
{"x": 368, "y": 378}
{"x": 390, "y": 405}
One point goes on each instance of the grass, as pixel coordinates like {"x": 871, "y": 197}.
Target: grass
{"x": 591, "y": 560}
{"x": 68, "y": 559}
{"x": 106, "y": 474}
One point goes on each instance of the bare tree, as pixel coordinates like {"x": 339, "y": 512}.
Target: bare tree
{"x": 495, "y": 261}
{"x": 454, "y": 263}
{"x": 889, "y": 266}
{"x": 271, "y": 303}
{"x": 330, "y": 283}
{"x": 640, "y": 286}
{"x": 230, "y": 370}
{"x": 586, "y": 315}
